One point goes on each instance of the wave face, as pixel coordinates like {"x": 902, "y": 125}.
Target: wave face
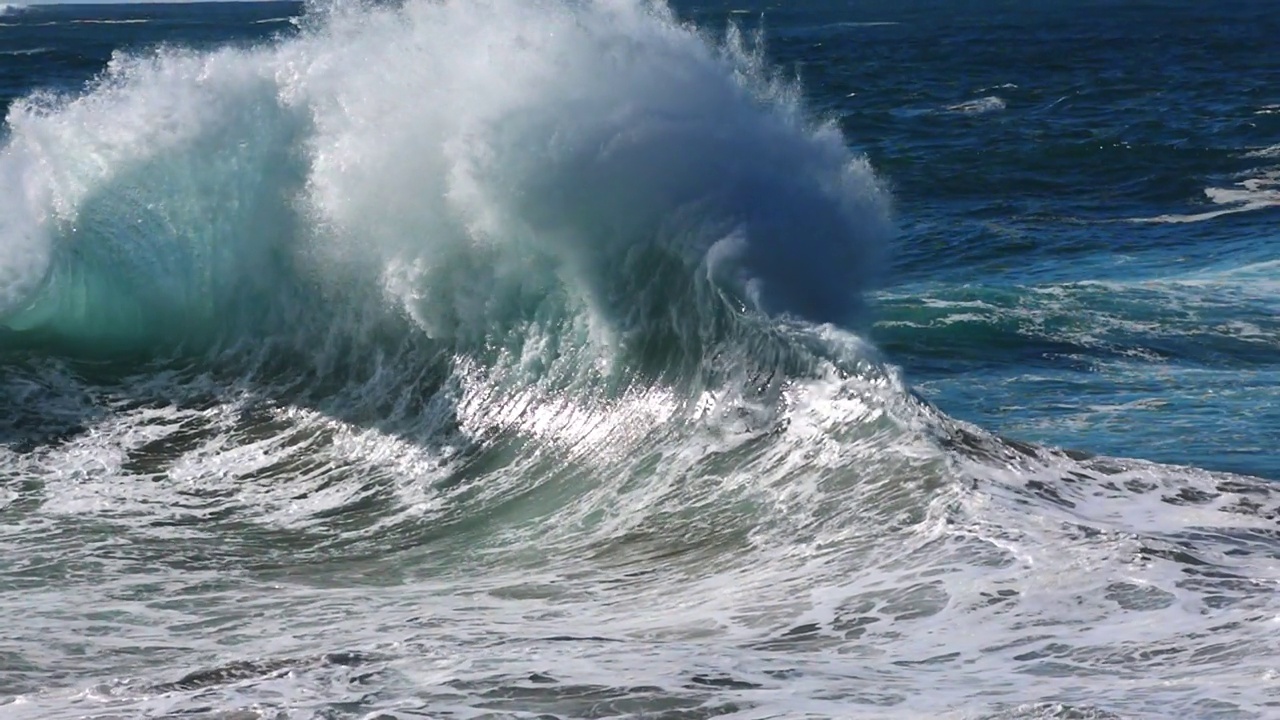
{"x": 469, "y": 167}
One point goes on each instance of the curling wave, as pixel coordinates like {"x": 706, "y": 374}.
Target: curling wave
{"x": 459, "y": 171}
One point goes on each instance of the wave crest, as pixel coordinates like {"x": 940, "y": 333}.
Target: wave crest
{"x": 474, "y": 167}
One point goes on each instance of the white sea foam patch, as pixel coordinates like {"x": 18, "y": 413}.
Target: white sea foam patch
{"x": 866, "y": 24}
{"x": 135, "y": 464}
{"x": 979, "y": 106}
{"x": 122, "y": 21}
{"x": 1272, "y": 151}
{"x": 27, "y": 51}
{"x": 1250, "y": 194}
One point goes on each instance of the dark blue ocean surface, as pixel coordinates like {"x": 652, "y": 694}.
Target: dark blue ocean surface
{"x": 604, "y": 358}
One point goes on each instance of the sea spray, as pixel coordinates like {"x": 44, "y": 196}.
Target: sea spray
{"x": 470, "y": 166}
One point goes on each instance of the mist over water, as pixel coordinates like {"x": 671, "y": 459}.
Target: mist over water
{"x": 510, "y": 360}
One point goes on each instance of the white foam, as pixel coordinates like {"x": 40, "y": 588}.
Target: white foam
{"x": 1272, "y": 151}
{"x": 1256, "y": 193}
{"x": 865, "y": 24}
{"x": 980, "y": 106}
{"x": 123, "y": 21}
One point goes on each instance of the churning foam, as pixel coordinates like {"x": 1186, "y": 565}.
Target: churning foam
{"x": 468, "y": 165}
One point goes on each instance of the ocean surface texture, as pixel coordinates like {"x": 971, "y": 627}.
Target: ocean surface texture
{"x": 534, "y": 359}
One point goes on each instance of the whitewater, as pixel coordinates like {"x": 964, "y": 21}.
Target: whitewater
{"x": 503, "y": 359}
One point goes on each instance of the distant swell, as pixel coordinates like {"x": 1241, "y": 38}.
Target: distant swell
{"x": 476, "y": 171}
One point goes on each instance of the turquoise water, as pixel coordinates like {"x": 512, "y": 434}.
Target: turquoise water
{"x": 609, "y": 359}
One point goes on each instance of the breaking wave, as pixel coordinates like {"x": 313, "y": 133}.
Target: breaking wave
{"x": 463, "y": 172}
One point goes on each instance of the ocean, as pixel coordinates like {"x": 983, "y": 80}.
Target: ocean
{"x": 616, "y": 359}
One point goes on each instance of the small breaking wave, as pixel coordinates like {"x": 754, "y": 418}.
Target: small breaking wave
{"x": 980, "y": 106}
{"x": 1257, "y": 193}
